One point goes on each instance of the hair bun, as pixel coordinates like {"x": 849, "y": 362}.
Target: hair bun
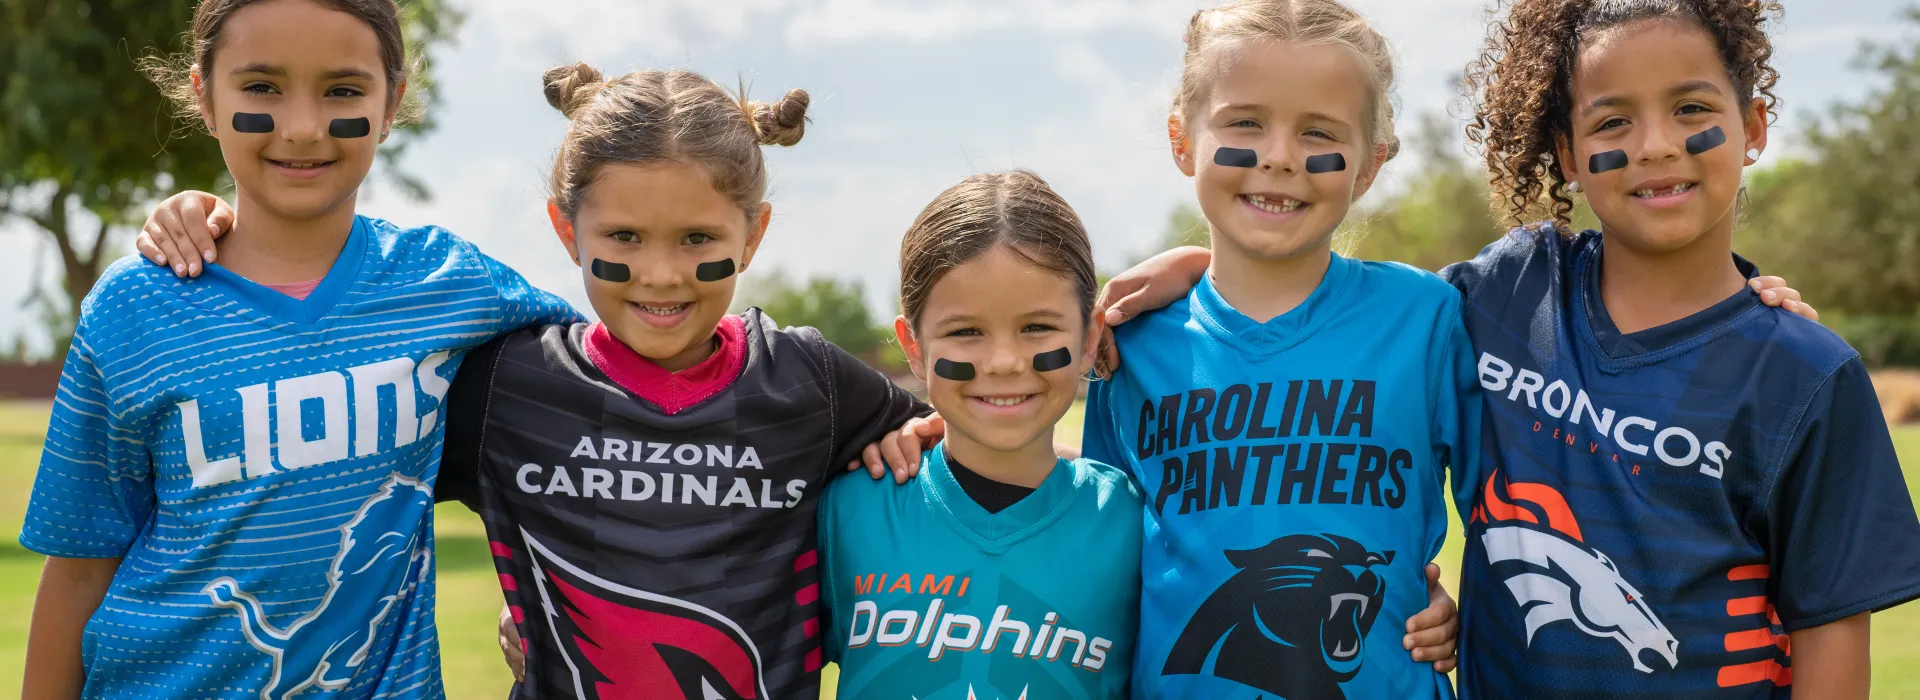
{"x": 571, "y": 87}
{"x": 782, "y": 123}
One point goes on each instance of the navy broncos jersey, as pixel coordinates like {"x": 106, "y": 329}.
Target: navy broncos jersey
{"x": 1659, "y": 509}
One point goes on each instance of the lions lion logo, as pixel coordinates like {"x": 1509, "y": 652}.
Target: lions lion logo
{"x": 1292, "y": 622}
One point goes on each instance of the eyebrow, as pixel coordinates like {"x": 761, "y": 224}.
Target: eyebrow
{"x": 335, "y": 74}
{"x": 1678, "y": 90}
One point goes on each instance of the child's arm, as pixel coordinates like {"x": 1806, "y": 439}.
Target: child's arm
{"x": 1830, "y": 662}
{"x": 867, "y": 406}
{"x": 70, "y": 590}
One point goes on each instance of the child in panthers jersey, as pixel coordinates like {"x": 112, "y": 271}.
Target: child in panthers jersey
{"x": 1003, "y": 571}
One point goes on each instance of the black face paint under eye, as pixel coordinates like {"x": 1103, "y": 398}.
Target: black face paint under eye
{"x": 610, "y": 271}
{"x": 714, "y": 271}
{"x": 953, "y": 371}
{"x": 1326, "y": 163}
{"x": 349, "y": 128}
{"x": 1052, "y": 359}
{"x": 1610, "y": 160}
{"x": 1235, "y": 157}
{"x": 1706, "y": 141}
{"x": 252, "y": 123}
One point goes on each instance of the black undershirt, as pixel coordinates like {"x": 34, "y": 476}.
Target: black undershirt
{"x": 995, "y": 496}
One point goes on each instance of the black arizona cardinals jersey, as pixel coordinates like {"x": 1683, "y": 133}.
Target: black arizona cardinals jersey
{"x": 654, "y": 556}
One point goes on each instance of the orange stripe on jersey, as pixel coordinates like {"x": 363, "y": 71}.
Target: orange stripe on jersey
{"x": 1756, "y": 672}
{"x": 1749, "y": 639}
{"x": 1559, "y": 516}
{"x": 1747, "y": 573}
{"x": 1747, "y": 606}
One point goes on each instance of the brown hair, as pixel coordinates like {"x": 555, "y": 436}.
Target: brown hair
{"x": 1309, "y": 22}
{"x": 1015, "y": 209}
{"x": 1522, "y": 83}
{"x": 173, "y": 74}
{"x": 654, "y": 116}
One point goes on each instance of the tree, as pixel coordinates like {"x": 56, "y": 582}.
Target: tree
{"x": 86, "y": 132}
{"x": 837, "y": 308}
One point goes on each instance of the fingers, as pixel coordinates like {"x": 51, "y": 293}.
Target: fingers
{"x": 221, "y": 219}
{"x": 892, "y": 449}
{"x": 199, "y": 234}
{"x": 174, "y": 242}
{"x": 510, "y": 647}
{"x": 1107, "y": 357}
{"x": 1775, "y": 292}
{"x": 1803, "y": 310}
{"x": 148, "y": 246}
{"x": 1778, "y": 295}
{"x": 1432, "y": 634}
{"x": 870, "y": 455}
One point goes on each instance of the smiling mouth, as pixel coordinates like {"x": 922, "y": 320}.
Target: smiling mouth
{"x": 1280, "y": 205}
{"x": 660, "y": 310}
{"x": 1004, "y": 401}
{"x": 1650, "y": 193}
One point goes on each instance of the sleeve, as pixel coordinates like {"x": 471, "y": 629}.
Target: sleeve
{"x": 866, "y": 403}
{"x": 1100, "y": 433}
{"x": 1507, "y": 258}
{"x": 1841, "y": 534}
{"x": 462, "y": 452}
{"x": 94, "y": 494}
{"x": 521, "y": 303}
{"x": 835, "y": 640}
{"x": 1457, "y": 403}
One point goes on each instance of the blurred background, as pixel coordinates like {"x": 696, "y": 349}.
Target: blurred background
{"x": 908, "y": 98}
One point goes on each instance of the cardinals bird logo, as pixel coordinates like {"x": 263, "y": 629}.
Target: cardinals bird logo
{"x": 627, "y": 644}
{"x": 1563, "y": 579}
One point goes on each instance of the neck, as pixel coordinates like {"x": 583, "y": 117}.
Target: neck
{"x": 690, "y": 357}
{"x": 269, "y": 247}
{"x": 1266, "y": 289}
{"x": 1645, "y": 289}
{"x": 1027, "y": 465}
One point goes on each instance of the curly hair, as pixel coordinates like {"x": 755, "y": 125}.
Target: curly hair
{"x": 1522, "y": 83}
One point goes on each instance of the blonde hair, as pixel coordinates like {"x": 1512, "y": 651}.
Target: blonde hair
{"x": 657, "y": 116}
{"x": 1309, "y": 22}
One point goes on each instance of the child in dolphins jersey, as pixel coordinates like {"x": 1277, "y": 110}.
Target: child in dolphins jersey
{"x": 236, "y": 493}
{"x": 1003, "y": 571}
{"x": 1658, "y": 432}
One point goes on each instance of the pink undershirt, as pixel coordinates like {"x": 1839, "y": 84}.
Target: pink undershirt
{"x": 297, "y": 290}
{"x": 673, "y": 392}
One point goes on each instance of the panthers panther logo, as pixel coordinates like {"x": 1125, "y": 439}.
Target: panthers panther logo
{"x": 1292, "y": 622}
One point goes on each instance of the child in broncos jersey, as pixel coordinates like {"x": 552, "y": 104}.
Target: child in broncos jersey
{"x": 1003, "y": 571}
{"x": 1688, "y": 494}
{"x": 236, "y": 494}
{"x": 649, "y": 483}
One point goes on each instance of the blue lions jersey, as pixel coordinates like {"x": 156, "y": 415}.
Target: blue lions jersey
{"x": 1660, "y": 508}
{"x": 1295, "y": 475}
{"x": 264, "y": 467}
{"x": 930, "y": 596}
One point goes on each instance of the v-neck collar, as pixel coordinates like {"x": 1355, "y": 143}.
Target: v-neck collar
{"x": 1662, "y": 341}
{"x": 995, "y": 532}
{"x": 1256, "y": 339}
{"x": 316, "y": 306}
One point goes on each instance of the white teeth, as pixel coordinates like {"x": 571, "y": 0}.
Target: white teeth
{"x": 1004, "y": 401}
{"x": 663, "y": 310}
{"x": 1646, "y": 192}
{"x": 1280, "y": 206}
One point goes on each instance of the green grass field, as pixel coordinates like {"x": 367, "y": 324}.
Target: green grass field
{"x": 470, "y": 597}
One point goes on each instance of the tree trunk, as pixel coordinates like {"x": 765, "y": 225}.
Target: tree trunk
{"x": 82, "y": 268}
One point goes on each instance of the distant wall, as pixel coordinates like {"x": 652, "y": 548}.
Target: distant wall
{"x": 38, "y": 381}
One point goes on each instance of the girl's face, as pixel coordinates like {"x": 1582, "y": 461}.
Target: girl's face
{"x": 652, "y": 242}
{"x": 1648, "y": 98}
{"x": 1278, "y": 148}
{"x": 297, "y": 96}
{"x": 996, "y": 313}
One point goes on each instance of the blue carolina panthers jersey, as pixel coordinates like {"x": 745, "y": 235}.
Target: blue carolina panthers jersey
{"x": 1658, "y": 509}
{"x": 1294, "y": 472}
{"x": 264, "y": 466}
{"x": 930, "y": 596}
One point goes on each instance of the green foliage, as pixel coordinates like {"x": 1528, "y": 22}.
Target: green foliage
{"x": 836, "y": 307}
{"x": 1185, "y": 226}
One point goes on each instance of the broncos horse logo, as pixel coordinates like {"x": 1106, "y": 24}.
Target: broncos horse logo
{"x": 627, "y": 644}
{"x": 1292, "y": 622}
{"x": 1570, "y": 581}
{"x": 374, "y": 568}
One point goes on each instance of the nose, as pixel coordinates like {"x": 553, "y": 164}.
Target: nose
{"x": 304, "y": 121}
{"x": 1662, "y": 140}
{"x": 1003, "y": 358}
{"x": 1356, "y": 570}
{"x": 1280, "y": 155}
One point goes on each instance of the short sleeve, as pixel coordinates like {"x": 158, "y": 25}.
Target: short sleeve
{"x": 93, "y": 496}
{"x": 1842, "y": 538}
{"x": 866, "y": 404}
{"x": 521, "y": 303}
{"x": 1100, "y": 433}
{"x": 461, "y": 454}
{"x": 835, "y": 641}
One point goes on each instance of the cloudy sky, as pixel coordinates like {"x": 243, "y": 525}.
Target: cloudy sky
{"x": 908, "y": 98}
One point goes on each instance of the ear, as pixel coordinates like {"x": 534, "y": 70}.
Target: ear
{"x": 1182, "y": 147}
{"x": 1754, "y": 123}
{"x": 1367, "y": 176}
{"x": 756, "y": 230}
{"x": 1563, "y": 154}
{"x": 1090, "y": 348}
{"x": 904, "y": 333}
{"x": 201, "y": 98}
{"x": 393, "y": 109}
{"x": 564, "y": 229}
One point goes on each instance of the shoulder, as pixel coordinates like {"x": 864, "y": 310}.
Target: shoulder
{"x": 1402, "y": 280}
{"x": 1173, "y": 318}
{"x": 1108, "y": 485}
{"x": 1807, "y": 342}
{"x": 423, "y": 251}
{"x": 129, "y": 283}
{"x": 1538, "y": 248}
{"x": 794, "y": 347}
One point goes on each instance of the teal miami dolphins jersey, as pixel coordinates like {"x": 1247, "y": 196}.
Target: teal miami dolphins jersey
{"x": 1664, "y": 507}
{"x": 932, "y": 597}
{"x": 1295, "y": 474}
{"x": 263, "y": 467}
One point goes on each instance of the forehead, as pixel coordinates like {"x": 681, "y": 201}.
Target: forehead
{"x": 297, "y": 34}
{"x": 1289, "y": 77}
{"x": 665, "y": 195}
{"x": 1649, "y": 56}
{"x": 1000, "y": 283}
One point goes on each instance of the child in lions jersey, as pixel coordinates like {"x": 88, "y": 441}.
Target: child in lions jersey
{"x": 1003, "y": 571}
